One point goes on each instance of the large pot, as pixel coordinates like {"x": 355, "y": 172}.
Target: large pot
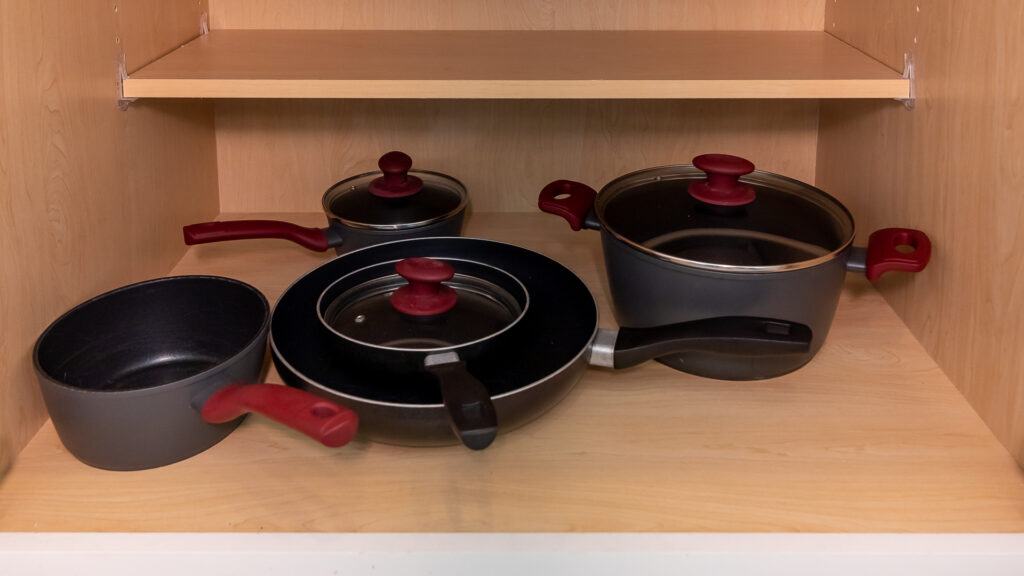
{"x": 718, "y": 238}
{"x": 395, "y": 203}
{"x": 533, "y": 366}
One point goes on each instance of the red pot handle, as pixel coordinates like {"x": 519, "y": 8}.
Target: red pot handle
{"x": 396, "y": 182}
{"x": 332, "y": 425}
{"x": 568, "y": 199}
{"x": 884, "y": 254}
{"x": 424, "y": 295}
{"x": 312, "y": 238}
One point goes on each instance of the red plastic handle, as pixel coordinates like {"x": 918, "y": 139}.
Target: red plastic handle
{"x": 332, "y": 425}
{"x": 884, "y": 254}
{"x": 312, "y": 238}
{"x": 722, "y": 186}
{"x": 424, "y": 295}
{"x": 568, "y": 199}
{"x": 396, "y": 182}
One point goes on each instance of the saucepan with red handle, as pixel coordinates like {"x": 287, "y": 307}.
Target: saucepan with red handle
{"x": 158, "y": 371}
{"x": 720, "y": 238}
{"x": 395, "y": 203}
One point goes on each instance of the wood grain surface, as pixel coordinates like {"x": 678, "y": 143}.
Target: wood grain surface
{"x": 148, "y": 29}
{"x": 519, "y": 14}
{"x": 868, "y": 437}
{"x": 282, "y": 156}
{"x": 953, "y": 167}
{"x": 90, "y": 197}
{"x": 515, "y": 64}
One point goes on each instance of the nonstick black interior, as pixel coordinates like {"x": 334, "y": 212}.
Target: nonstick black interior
{"x": 558, "y": 325}
{"x": 152, "y": 333}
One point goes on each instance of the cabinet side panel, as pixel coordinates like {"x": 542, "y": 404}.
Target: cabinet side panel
{"x": 282, "y": 155}
{"x": 91, "y": 197}
{"x": 953, "y": 167}
{"x": 519, "y": 14}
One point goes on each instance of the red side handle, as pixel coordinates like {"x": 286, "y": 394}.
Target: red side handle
{"x": 330, "y": 424}
{"x": 424, "y": 295}
{"x": 891, "y": 249}
{"x": 312, "y": 238}
{"x": 568, "y": 199}
{"x": 396, "y": 182}
{"x": 722, "y": 186}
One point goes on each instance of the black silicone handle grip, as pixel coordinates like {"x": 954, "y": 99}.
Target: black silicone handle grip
{"x": 470, "y": 410}
{"x": 732, "y": 335}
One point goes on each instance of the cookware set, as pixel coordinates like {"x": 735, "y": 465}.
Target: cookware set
{"x": 715, "y": 269}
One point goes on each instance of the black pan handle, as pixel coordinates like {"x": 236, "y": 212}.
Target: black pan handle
{"x": 470, "y": 410}
{"x": 731, "y": 335}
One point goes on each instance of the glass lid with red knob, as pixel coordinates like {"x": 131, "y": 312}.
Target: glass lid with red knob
{"x": 396, "y": 197}
{"x": 423, "y": 304}
{"x": 720, "y": 213}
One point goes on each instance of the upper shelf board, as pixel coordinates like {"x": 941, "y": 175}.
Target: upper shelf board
{"x": 515, "y": 64}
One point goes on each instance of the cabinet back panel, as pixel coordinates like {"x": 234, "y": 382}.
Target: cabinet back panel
{"x": 282, "y": 155}
{"x": 519, "y": 14}
{"x": 953, "y": 167}
{"x": 149, "y": 29}
{"x": 91, "y": 197}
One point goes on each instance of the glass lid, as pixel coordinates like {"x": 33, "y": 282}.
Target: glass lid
{"x": 423, "y": 304}
{"x": 396, "y": 197}
{"x": 721, "y": 214}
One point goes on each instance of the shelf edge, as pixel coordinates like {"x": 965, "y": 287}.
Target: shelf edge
{"x": 518, "y": 89}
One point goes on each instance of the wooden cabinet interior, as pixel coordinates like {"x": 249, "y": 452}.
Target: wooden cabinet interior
{"x": 93, "y": 197}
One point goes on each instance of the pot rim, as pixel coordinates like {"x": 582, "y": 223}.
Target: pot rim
{"x": 758, "y": 177}
{"x": 320, "y": 310}
{"x": 460, "y": 189}
{"x": 258, "y": 339}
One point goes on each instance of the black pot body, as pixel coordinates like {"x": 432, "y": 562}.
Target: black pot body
{"x": 353, "y": 238}
{"x": 647, "y": 291}
{"x": 135, "y": 429}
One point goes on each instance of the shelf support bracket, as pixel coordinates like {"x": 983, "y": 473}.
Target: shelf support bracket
{"x": 908, "y": 73}
{"x": 122, "y": 74}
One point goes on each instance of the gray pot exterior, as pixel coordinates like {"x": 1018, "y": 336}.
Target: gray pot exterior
{"x": 146, "y": 428}
{"x": 355, "y": 238}
{"x": 646, "y": 291}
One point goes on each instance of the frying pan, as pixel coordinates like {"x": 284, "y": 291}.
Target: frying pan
{"x": 158, "y": 371}
{"x": 534, "y": 368}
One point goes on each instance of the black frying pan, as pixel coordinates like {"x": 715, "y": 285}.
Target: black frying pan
{"x": 529, "y": 373}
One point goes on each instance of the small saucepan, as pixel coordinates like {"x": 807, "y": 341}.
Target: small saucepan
{"x": 422, "y": 314}
{"x": 158, "y": 371}
{"x": 395, "y": 203}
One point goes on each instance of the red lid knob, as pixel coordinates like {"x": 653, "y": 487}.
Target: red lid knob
{"x": 396, "y": 182}
{"x": 424, "y": 295}
{"x": 722, "y": 186}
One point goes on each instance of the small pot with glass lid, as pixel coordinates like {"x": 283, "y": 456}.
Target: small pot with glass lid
{"x": 396, "y": 203}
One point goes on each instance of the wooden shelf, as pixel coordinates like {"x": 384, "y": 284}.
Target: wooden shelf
{"x": 515, "y": 64}
{"x": 868, "y": 437}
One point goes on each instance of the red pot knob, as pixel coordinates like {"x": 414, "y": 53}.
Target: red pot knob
{"x": 722, "y": 186}
{"x": 396, "y": 182}
{"x": 424, "y": 295}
